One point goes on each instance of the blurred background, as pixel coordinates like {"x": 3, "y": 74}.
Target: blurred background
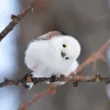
{"x": 86, "y": 20}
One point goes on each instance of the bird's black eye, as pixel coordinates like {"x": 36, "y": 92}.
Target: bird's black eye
{"x": 67, "y": 58}
{"x": 64, "y": 45}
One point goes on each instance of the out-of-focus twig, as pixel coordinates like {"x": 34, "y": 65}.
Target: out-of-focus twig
{"x": 35, "y": 98}
{"x": 17, "y": 18}
{"x": 99, "y": 55}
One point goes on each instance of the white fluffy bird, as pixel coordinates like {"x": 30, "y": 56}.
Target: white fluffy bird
{"x": 52, "y": 54}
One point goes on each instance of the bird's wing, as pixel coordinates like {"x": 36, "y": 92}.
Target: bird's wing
{"x": 49, "y": 35}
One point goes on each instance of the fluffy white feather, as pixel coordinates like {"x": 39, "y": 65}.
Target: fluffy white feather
{"x": 55, "y": 56}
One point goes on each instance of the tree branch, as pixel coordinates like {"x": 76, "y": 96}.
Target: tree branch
{"x": 99, "y": 55}
{"x": 17, "y": 19}
{"x": 35, "y": 98}
{"x": 77, "y": 78}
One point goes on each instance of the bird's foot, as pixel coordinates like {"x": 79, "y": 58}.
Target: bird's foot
{"x": 28, "y": 81}
{"x": 52, "y": 78}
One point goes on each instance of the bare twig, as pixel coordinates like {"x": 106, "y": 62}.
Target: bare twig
{"x": 36, "y": 97}
{"x": 9, "y": 82}
{"x": 99, "y": 55}
{"x": 16, "y": 19}
{"x": 96, "y": 78}
{"x": 64, "y": 79}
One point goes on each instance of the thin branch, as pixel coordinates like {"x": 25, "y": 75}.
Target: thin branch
{"x": 52, "y": 89}
{"x": 10, "y": 82}
{"x": 17, "y": 19}
{"x": 35, "y": 98}
{"x": 99, "y": 55}
{"x": 77, "y": 78}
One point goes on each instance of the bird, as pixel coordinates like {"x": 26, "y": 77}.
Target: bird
{"x": 52, "y": 54}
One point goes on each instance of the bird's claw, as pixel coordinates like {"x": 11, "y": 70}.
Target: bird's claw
{"x": 53, "y": 78}
{"x": 28, "y": 81}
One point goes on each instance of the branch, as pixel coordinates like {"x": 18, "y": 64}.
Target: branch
{"x": 96, "y": 78}
{"x": 99, "y": 55}
{"x": 17, "y": 19}
{"x": 36, "y": 97}
{"x": 76, "y": 78}
{"x": 52, "y": 89}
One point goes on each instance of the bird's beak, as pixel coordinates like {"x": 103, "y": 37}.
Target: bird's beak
{"x": 63, "y": 54}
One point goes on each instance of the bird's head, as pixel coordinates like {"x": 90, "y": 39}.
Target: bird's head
{"x": 67, "y": 48}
